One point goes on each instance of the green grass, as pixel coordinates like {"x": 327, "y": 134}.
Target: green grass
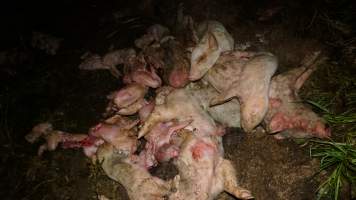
{"x": 338, "y": 108}
{"x": 331, "y": 118}
{"x": 339, "y": 156}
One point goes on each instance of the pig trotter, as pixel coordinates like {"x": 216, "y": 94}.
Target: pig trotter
{"x": 230, "y": 184}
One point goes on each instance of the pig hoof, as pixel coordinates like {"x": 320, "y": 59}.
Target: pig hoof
{"x": 246, "y": 195}
{"x": 278, "y": 137}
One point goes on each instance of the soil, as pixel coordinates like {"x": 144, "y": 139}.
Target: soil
{"x": 42, "y": 87}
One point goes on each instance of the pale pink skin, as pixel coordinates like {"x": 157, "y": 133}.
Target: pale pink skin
{"x": 179, "y": 105}
{"x": 117, "y": 57}
{"x": 139, "y": 71}
{"x": 216, "y": 40}
{"x": 179, "y": 77}
{"x": 133, "y": 108}
{"x": 129, "y": 95}
{"x": 139, "y": 183}
{"x": 67, "y": 140}
{"x": 203, "y": 172}
{"x": 146, "y": 77}
{"x": 251, "y": 87}
{"x": 146, "y": 110}
{"x": 119, "y": 135}
{"x": 287, "y": 115}
{"x": 159, "y": 136}
{"x": 39, "y": 130}
{"x": 90, "y": 150}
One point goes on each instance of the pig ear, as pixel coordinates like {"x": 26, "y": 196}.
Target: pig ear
{"x": 204, "y": 56}
{"x": 212, "y": 42}
{"x": 302, "y": 78}
{"x": 309, "y": 65}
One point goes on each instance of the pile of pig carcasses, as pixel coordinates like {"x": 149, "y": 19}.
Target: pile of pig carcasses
{"x": 201, "y": 85}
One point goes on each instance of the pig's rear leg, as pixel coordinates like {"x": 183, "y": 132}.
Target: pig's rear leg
{"x": 159, "y": 114}
{"x": 230, "y": 183}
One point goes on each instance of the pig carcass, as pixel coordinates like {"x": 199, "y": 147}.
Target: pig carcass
{"x": 203, "y": 172}
{"x": 287, "y": 116}
{"x": 137, "y": 181}
{"x": 160, "y": 136}
{"x": 109, "y": 62}
{"x": 67, "y": 140}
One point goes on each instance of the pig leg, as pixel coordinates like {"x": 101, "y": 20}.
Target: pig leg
{"x": 252, "y": 90}
{"x": 42, "y": 149}
{"x": 230, "y": 184}
{"x": 159, "y": 114}
{"x": 114, "y": 71}
{"x": 153, "y": 119}
{"x": 146, "y": 110}
{"x": 133, "y": 108}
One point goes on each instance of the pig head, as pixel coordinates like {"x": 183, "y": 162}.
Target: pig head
{"x": 214, "y": 40}
{"x": 287, "y": 115}
{"x": 138, "y": 182}
{"x": 176, "y": 72}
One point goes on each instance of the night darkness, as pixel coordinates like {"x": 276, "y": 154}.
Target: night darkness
{"x": 70, "y": 62}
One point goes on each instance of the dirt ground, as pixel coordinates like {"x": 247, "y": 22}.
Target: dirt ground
{"x": 42, "y": 87}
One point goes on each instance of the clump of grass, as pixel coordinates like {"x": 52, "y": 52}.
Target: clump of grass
{"x": 346, "y": 117}
{"x": 342, "y": 158}
{"x": 339, "y": 158}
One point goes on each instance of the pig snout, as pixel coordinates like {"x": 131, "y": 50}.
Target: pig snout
{"x": 322, "y": 130}
{"x": 179, "y": 78}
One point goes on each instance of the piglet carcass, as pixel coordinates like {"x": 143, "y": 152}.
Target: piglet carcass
{"x": 139, "y": 71}
{"x": 138, "y": 182}
{"x": 214, "y": 39}
{"x": 247, "y": 76}
{"x": 160, "y": 136}
{"x": 179, "y": 104}
{"x": 55, "y": 137}
{"x": 203, "y": 172}
{"x": 177, "y": 66}
{"x": 287, "y": 115}
{"x": 92, "y": 62}
{"x": 39, "y": 130}
{"x": 118, "y": 131}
